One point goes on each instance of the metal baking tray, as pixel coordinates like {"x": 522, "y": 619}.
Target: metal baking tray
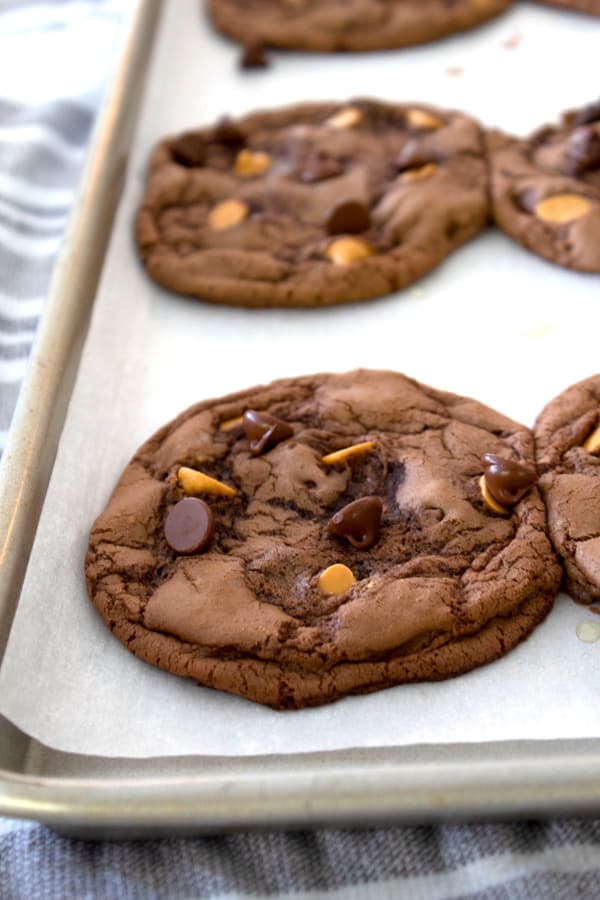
{"x": 94, "y": 796}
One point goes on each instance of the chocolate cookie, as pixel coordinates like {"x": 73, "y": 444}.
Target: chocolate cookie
{"x": 330, "y": 25}
{"x": 592, "y": 7}
{"x": 313, "y": 204}
{"x": 546, "y": 189}
{"x": 567, "y": 437}
{"x": 324, "y": 536}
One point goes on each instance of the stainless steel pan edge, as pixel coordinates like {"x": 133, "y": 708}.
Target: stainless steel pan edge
{"x": 27, "y": 462}
{"x": 29, "y": 455}
{"x": 412, "y": 784}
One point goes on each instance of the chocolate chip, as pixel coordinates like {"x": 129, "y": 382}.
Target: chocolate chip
{"x": 507, "y": 481}
{"x": 254, "y": 56}
{"x": 358, "y": 522}
{"x": 264, "y": 431}
{"x": 589, "y": 113}
{"x": 189, "y": 150}
{"x": 227, "y": 133}
{"x": 348, "y": 217}
{"x": 189, "y": 527}
{"x": 319, "y": 167}
{"x": 583, "y": 152}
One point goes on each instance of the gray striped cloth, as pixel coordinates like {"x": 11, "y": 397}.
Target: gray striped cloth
{"x": 53, "y": 61}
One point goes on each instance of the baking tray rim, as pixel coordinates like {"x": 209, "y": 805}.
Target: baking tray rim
{"x": 498, "y": 779}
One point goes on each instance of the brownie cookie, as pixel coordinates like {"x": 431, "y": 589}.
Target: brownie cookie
{"x": 312, "y": 204}
{"x": 324, "y": 536}
{"x": 330, "y": 25}
{"x": 567, "y": 437}
{"x": 546, "y": 189}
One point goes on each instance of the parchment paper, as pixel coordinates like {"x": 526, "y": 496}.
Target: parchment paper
{"x": 493, "y": 322}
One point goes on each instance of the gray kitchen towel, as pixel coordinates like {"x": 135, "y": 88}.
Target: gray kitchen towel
{"x": 46, "y": 112}
{"x": 551, "y": 861}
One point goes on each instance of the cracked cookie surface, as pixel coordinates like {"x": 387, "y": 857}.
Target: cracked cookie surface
{"x": 568, "y": 453}
{"x": 313, "y": 204}
{"x": 439, "y": 583}
{"x": 332, "y": 25}
{"x": 546, "y": 189}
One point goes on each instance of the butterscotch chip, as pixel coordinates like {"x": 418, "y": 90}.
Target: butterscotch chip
{"x": 348, "y": 117}
{"x": 229, "y": 424}
{"x": 420, "y": 118}
{"x": 592, "y": 443}
{"x": 194, "y": 482}
{"x": 336, "y": 580}
{"x": 348, "y": 250}
{"x": 442, "y": 583}
{"x": 227, "y": 214}
{"x": 249, "y": 163}
{"x": 339, "y": 456}
{"x": 420, "y": 173}
{"x": 489, "y": 500}
{"x": 562, "y": 208}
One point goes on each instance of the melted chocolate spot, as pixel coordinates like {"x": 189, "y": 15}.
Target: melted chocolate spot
{"x": 358, "y": 522}
{"x": 507, "y": 481}
{"x": 264, "y": 431}
{"x": 189, "y": 526}
{"x": 348, "y": 217}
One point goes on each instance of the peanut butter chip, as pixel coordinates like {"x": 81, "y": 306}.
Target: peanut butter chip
{"x": 339, "y": 456}
{"x": 227, "y": 214}
{"x": 562, "y": 208}
{"x": 194, "y": 482}
{"x": 420, "y": 118}
{"x": 345, "y": 118}
{"x": 348, "y": 250}
{"x": 420, "y": 173}
{"x": 248, "y": 163}
{"x": 336, "y": 579}
{"x": 592, "y": 443}
{"x": 488, "y": 499}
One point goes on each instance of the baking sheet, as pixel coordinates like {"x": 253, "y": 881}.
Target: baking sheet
{"x": 493, "y": 322}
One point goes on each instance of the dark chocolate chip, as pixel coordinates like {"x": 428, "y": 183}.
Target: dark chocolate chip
{"x": 507, "y": 481}
{"x": 227, "y": 133}
{"x": 348, "y": 217}
{"x": 589, "y": 113}
{"x": 583, "y": 152}
{"x": 319, "y": 167}
{"x": 358, "y": 522}
{"x": 189, "y": 150}
{"x": 189, "y": 526}
{"x": 254, "y": 56}
{"x": 264, "y": 431}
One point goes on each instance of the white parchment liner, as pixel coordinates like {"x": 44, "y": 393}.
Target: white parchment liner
{"x": 493, "y": 322}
